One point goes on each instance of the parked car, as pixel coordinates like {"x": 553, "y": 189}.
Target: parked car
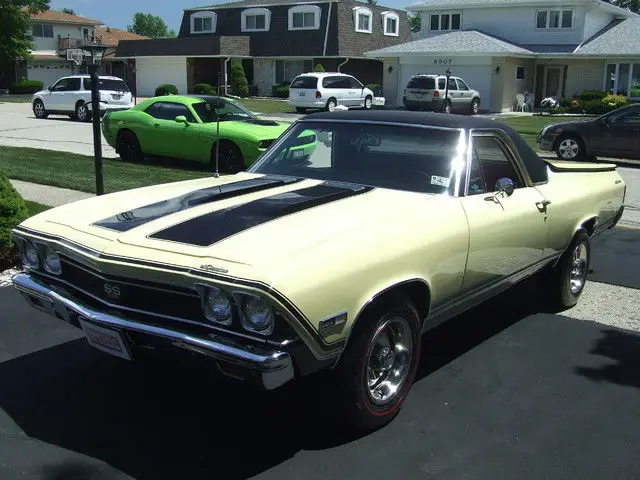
{"x": 614, "y": 134}
{"x": 327, "y": 261}
{"x": 187, "y": 127}
{"x": 72, "y": 96}
{"x": 327, "y": 90}
{"x": 429, "y": 92}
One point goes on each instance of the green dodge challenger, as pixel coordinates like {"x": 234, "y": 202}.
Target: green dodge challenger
{"x": 186, "y": 127}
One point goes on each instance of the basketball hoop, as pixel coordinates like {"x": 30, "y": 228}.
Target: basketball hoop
{"x": 75, "y": 55}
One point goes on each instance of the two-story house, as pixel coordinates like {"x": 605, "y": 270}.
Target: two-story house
{"x": 554, "y": 48}
{"x": 53, "y": 34}
{"x": 274, "y": 39}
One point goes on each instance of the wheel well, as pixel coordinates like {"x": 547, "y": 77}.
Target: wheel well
{"x": 417, "y": 291}
{"x": 79, "y": 102}
{"x": 590, "y": 226}
{"x": 224, "y": 141}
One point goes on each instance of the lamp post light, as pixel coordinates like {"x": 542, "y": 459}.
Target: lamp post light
{"x": 446, "y": 90}
{"x": 94, "y": 51}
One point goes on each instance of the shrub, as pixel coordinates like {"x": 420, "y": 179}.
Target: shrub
{"x": 13, "y": 211}
{"x": 203, "y": 89}
{"x": 166, "y": 89}
{"x": 595, "y": 107}
{"x": 319, "y": 68}
{"x": 26, "y": 86}
{"x": 280, "y": 91}
{"x": 615, "y": 101}
{"x": 376, "y": 89}
{"x": 589, "y": 95}
{"x": 239, "y": 84}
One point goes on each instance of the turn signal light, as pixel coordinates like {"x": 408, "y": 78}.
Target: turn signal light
{"x": 436, "y": 93}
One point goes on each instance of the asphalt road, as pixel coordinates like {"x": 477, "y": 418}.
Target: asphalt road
{"x": 506, "y": 391}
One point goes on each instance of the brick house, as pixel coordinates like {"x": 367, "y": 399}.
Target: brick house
{"x": 274, "y": 39}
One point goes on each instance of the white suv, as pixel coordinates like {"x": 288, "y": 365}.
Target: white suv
{"x": 327, "y": 90}
{"x": 72, "y": 96}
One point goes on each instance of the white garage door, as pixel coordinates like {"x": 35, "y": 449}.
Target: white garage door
{"x": 47, "y": 72}
{"x": 152, "y": 72}
{"x": 478, "y": 77}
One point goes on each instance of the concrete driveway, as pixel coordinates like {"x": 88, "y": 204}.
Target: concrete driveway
{"x": 504, "y": 392}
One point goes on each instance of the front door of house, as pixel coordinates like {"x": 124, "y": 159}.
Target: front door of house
{"x": 553, "y": 82}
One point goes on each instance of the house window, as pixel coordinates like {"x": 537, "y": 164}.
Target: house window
{"x": 304, "y": 17}
{"x": 623, "y": 79}
{"x": 520, "y": 73}
{"x": 554, "y": 19}
{"x": 390, "y": 22}
{"x": 43, "y": 30}
{"x": 203, "y": 22}
{"x": 362, "y": 18}
{"x": 445, "y": 21}
{"x": 287, "y": 70}
{"x": 256, "y": 20}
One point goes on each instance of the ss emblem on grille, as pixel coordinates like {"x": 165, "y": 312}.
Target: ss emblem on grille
{"x": 112, "y": 291}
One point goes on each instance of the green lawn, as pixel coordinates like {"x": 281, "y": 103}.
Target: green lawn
{"x": 68, "y": 170}
{"x": 15, "y": 99}
{"x": 35, "y": 208}
{"x": 267, "y": 106}
{"x": 533, "y": 124}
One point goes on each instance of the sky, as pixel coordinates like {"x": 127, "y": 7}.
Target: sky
{"x": 119, "y": 13}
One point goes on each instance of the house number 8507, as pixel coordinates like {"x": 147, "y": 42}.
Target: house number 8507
{"x": 442, "y": 61}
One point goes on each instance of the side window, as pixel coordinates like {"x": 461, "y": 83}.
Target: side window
{"x": 461, "y": 85}
{"x": 74, "y": 84}
{"x": 491, "y": 161}
{"x": 353, "y": 83}
{"x": 62, "y": 85}
{"x": 154, "y": 110}
{"x": 442, "y": 83}
{"x": 452, "y": 84}
{"x": 627, "y": 118}
{"x": 330, "y": 82}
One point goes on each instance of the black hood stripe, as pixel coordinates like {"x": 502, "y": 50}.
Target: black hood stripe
{"x": 216, "y": 226}
{"x": 125, "y": 221}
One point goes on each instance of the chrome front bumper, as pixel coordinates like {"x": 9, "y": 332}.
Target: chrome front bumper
{"x": 274, "y": 367}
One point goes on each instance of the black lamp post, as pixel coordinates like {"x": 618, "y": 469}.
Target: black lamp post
{"x": 446, "y": 90}
{"x": 94, "y": 51}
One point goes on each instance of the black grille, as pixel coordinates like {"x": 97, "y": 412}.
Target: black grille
{"x": 181, "y": 303}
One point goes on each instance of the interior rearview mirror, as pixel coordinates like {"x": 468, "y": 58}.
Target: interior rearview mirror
{"x": 505, "y": 185}
{"x": 182, "y": 119}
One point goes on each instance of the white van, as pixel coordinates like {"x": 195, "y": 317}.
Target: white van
{"x": 327, "y": 90}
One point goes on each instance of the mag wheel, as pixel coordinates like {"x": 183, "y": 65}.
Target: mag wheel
{"x": 230, "y": 158}
{"x": 39, "y": 110}
{"x": 82, "y": 112}
{"x": 569, "y": 276}
{"x": 569, "y": 148}
{"x": 368, "y": 103}
{"x": 129, "y": 147}
{"x": 475, "y": 106}
{"x": 331, "y": 105}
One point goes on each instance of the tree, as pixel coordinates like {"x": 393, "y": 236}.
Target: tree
{"x": 239, "y": 84}
{"x": 69, "y": 11}
{"x": 415, "y": 23}
{"x": 15, "y": 30}
{"x": 150, "y": 26}
{"x": 633, "y": 5}
{"x": 319, "y": 68}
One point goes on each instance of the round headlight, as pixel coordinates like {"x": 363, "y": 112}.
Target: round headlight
{"x": 218, "y": 305}
{"x": 258, "y": 315}
{"x": 52, "y": 262}
{"x": 30, "y": 256}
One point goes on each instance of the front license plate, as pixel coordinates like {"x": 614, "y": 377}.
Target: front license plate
{"x": 108, "y": 341}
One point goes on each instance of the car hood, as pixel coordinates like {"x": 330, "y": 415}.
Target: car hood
{"x": 573, "y": 124}
{"x": 239, "y": 224}
{"x": 258, "y": 128}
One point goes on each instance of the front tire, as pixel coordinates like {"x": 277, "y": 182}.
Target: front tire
{"x": 569, "y": 276}
{"x": 231, "y": 159}
{"x": 475, "y": 106}
{"x": 331, "y": 105}
{"x": 38, "y": 109}
{"x": 129, "y": 147}
{"x": 82, "y": 112}
{"x": 368, "y": 102}
{"x": 379, "y": 364}
{"x": 570, "y": 147}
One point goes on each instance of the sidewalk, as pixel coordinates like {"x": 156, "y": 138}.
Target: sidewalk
{"x": 47, "y": 195}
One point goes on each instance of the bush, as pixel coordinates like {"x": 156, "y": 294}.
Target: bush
{"x": 615, "y": 101}
{"x": 13, "y": 211}
{"x": 280, "y": 91}
{"x": 376, "y": 89}
{"x": 589, "y": 95}
{"x": 166, "y": 89}
{"x": 26, "y": 86}
{"x": 239, "y": 84}
{"x": 319, "y": 68}
{"x": 203, "y": 89}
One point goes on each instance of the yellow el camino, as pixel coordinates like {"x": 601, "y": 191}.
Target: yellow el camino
{"x": 334, "y": 258}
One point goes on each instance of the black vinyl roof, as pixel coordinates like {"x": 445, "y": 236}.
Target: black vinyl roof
{"x": 534, "y": 164}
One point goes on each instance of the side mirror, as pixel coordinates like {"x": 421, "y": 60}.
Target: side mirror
{"x": 182, "y": 119}
{"x": 50, "y": 87}
{"x": 505, "y": 185}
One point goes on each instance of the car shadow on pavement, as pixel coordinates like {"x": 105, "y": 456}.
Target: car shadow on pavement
{"x": 611, "y": 246}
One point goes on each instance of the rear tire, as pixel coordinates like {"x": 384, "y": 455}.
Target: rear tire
{"x": 331, "y": 105}
{"x": 379, "y": 364}
{"x": 447, "y": 107}
{"x": 570, "y": 147}
{"x": 567, "y": 280}
{"x": 129, "y": 147}
{"x": 231, "y": 159}
{"x": 38, "y": 109}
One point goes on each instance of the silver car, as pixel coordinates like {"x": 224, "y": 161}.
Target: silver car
{"x": 428, "y": 91}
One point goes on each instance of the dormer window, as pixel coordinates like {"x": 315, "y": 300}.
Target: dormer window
{"x": 362, "y": 17}
{"x": 390, "y": 23}
{"x": 445, "y": 21}
{"x": 203, "y": 22}
{"x": 256, "y": 20}
{"x": 554, "y": 19}
{"x": 304, "y": 17}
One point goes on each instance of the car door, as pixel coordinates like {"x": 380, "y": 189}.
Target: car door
{"x": 453, "y": 94}
{"x": 508, "y": 233}
{"x": 356, "y": 93}
{"x": 621, "y": 133}
{"x": 464, "y": 95}
{"x": 162, "y": 135}
{"x": 56, "y": 99}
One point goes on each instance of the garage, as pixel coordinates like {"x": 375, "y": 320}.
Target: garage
{"x": 475, "y": 71}
{"x": 154, "y": 71}
{"x": 47, "y": 72}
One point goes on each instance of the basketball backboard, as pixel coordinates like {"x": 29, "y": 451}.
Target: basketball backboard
{"x": 75, "y": 55}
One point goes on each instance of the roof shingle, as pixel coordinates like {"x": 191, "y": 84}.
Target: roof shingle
{"x": 55, "y": 16}
{"x": 112, "y": 36}
{"x": 621, "y": 38}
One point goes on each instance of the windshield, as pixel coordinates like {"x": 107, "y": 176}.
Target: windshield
{"x": 226, "y": 110}
{"x": 107, "y": 85}
{"x": 387, "y": 156}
